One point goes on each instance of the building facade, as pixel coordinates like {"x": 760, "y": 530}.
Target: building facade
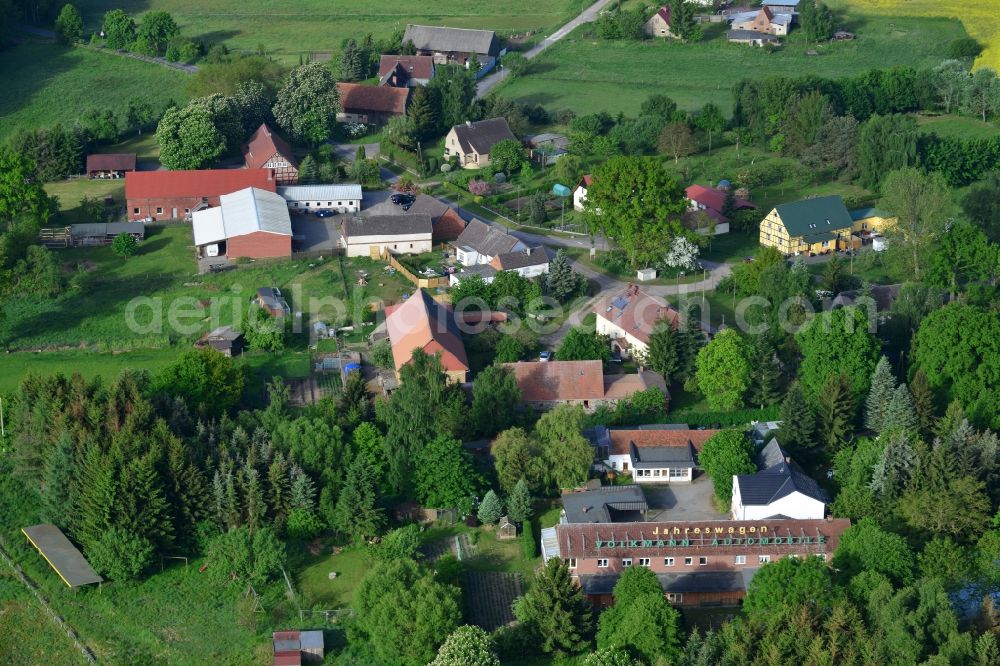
{"x": 376, "y": 235}
{"x": 267, "y": 150}
{"x": 658, "y": 24}
{"x": 812, "y": 226}
{"x": 471, "y": 142}
{"x": 175, "y": 195}
{"x": 250, "y": 223}
{"x": 311, "y": 198}
{"x": 697, "y": 563}
{"x": 629, "y": 318}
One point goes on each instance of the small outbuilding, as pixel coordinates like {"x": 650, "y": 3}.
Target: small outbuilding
{"x": 506, "y": 529}
{"x": 110, "y": 165}
{"x": 225, "y": 339}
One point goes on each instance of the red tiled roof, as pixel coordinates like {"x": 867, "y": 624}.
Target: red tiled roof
{"x": 202, "y": 183}
{"x": 586, "y": 181}
{"x": 262, "y": 145}
{"x": 664, "y": 13}
{"x": 448, "y": 226}
{"x": 640, "y": 314}
{"x": 417, "y": 67}
{"x": 111, "y": 162}
{"x": 618, "y": 387}
{"x": 579, "y": 540}
{"x": 767, "y": 12}
{"x": 380, "y": 99}
{"x": 420, "y": 322}
{"x": 559, "y": 380}
{"x": 620, "y": 438}
{"x": 713, "y": 199}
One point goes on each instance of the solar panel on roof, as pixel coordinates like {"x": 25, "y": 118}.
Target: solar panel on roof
{"x": 620, "y": 302}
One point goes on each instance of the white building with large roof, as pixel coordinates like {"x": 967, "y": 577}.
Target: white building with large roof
{"x": 248, "y": 223}
{"x": 311, "y": 198}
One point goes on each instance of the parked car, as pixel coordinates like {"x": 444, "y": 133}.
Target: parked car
{"x": 401, "y": 199}
{"x": 325, "y": 213}
{"x": 544, "y": 356}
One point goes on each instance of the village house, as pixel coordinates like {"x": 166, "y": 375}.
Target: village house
{"x": 371, "y": 105}
{"x": 868, "y": 222}
{"x": 110, "y": 165}
{"x": 448, "y": 224}
{"x": 629, "y": 317}
{"x": 270, "y": 300}
{"x": 765, "y": 20}
{"x": 711, "y": 202}
{"x": 311, "y": 198}
{"x": 811, "y": 226}
{"x": 267, "y": 150}
{"x": 172, "y": 195}
{"x": 248, "y": 223}
{"x": 580, "y": 193}
{"x": 544, "y": 385}
{"x": 705, "y": 563}
{"x": 471, "y": 142}
{"x": 658, "y": 24}
{"x": 546, "y": 148}
{"x": 455, "y": 46}
{"x": 479, "y": 243}
{"x": 420, "y": 322}
{"x": 377, "y": 235}
{"x": 779, "y": 489}
{"x": 528, "y": 263}
{"x": 607, "y": 504}
{"x": 659, "y": 453}
{"x": 401, "y": 71}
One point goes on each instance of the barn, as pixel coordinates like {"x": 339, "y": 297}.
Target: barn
{"x": 249, "y": 223}
{"x": 175, "y": 195}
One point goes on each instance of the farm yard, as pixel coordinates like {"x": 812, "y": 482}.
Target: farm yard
{"x": 587, "y": 74}
{"x": 287, "y": 29}
{"x": 48, "y": 84}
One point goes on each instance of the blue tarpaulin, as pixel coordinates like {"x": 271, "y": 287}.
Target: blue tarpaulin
{"x": 561, "y": 190}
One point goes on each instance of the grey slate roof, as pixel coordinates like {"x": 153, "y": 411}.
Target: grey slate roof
{"x": 512, "y": 260}
{"x": 779, "y": 477}
{"x": 388, "y": 225}
{"x": 483, "y": 270}
{"x": 485, "y": 240}
{"x": 482, "y": 134}
{"x": 649, "y": 457}
{"x": 457, "y": 40}
{"x": 609, "y": 504}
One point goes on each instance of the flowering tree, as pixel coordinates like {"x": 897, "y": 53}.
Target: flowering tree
{"x": 479, "y": 187}
{"x": 682, "y": 254}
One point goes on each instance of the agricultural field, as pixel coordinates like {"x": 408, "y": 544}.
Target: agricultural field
{"x": 48, "y": 84}
{"x": 980, "y": 18}
{"x": 587, "y": 74}
{"x": 287, "y": 29}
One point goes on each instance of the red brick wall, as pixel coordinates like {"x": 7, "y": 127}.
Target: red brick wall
{"x": 259, "y": 244}
{"x": 147, "y": 207}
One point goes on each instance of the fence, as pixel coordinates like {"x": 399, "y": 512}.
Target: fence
{"x": 420, "y": 282}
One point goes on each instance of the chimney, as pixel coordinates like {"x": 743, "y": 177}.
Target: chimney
{"x": 586, "y": 509}
{"x": 468, "y": 123}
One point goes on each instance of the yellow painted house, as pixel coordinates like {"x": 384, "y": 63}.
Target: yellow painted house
{"x": 819, "y": 225}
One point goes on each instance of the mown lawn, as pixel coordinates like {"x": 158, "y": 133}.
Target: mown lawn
{"x": 587, "y": 74}
{"x": 46, "y": 84}
{"x": 72, "y": 191}
{"x": 289, "y": 28}
{"x": 957, "y": 127}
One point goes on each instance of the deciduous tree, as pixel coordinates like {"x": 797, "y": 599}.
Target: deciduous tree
{"x": 124, "y": 245}
{"x": 69, "y": 25}
{"x": 725, "y": 454}
{"x": 467, "y": 646}
{"x": 865, "y": 546}
{"x": 119, "y": 29}
{"x": 157, "y": 28}
{"x": 188, "y": 138}
{"x": 581, "y": 344}
{"x": 495, "y": 399}
{"x": 921, "y": 203}
{"x": 566, "y": 452}
{"x": 837, "y": 342}
{"x": 641, "y": 619}
{"x": 444, "y": 477}
{"x": 308, "y": 103}
{"x": 518, "y": 457}
{"x": 724, "y": 371}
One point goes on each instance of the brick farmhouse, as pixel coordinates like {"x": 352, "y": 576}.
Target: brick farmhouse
{"x": 174, "y": 195}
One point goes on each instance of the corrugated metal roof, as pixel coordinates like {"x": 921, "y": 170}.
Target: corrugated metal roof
{"x": 320, "y": 192}
{"x": 61, "y": 555}
{"x": 242, "y": 213}
{"x": 550, "y": 544}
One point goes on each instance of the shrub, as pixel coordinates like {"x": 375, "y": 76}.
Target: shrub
{"x": 479, "y": 187}
{"x": 964, "y": 47}
{"x": 382, "y": 354}
{"x": 529, "y": 547}
{"x": 445, "y": 168}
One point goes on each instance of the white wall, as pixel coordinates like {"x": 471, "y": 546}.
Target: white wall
{"x": 606, "y": 327}
{"x": 468, "y": 258}
{"x": 795, "y": 505}
{"x": 533, "y": 271}
{"x": 360, "y": 246}
{"x": 343, "y": 206}
{"x": 579, "y": 196}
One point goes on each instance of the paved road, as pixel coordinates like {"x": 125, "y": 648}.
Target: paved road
{"x": 588, "y": 15}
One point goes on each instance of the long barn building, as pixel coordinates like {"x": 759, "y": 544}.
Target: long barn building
{"x": 175, "y": 195}
{"x": 708, "y": 563}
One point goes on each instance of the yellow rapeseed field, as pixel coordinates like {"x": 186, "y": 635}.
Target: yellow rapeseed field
{"x": 981, "y": 19}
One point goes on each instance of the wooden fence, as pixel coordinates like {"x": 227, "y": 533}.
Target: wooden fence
{"x": 419, "y": 282}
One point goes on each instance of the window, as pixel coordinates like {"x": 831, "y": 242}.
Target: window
{"x": 329, "y": 203}
{"x": 741, "y": 559}
{"x": 340, "y": 203}
{"x": 668, "y": 561}
{"x": 411, "y": 246}
{"x": 643, "y": 561}
{"x": 135, "y": 211}
{"x": 702, "y": 561}
{"x": 295, "y": 204}
{"x": 571, "y": 562}
{"x": 187, "y": 210}
{"x": 675, "y": 597}
{"x": 688, "y": 561}
{"x": 657, "y": 472}
{"x": 678, "y": 474}
{"x": 764, "y": 559}
{"x": 626, "y": 561}
{"x": 158, "y": 210}
{"x": 602, "y": 563}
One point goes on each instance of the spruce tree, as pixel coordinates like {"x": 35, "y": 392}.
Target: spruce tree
{"x": 308, "y": 171}
{"x": 836, "y": 410}
{"x": 923, "y": 402}
{"x": 689, "y": 341}
{"x": 883, "y": 386}
{"x": 894, "y": 469}
{"x": 555, "y": 612}
{"x": 561, "y": 281}
{"x": 490, "y": 509}
{"x": 350, "y": 62}
{"x": 519, "y": 504}
{"x": 254, "y": 506}
{"x": 57, "y": 494}
{"x": 357, "y": 513}
{"x": 952, "y": 419}
{"x": 900, "y": 415}
{"x": 664, "y": 355}
{"x": 798, "y": 422}
{"x": 423, "y": 114}
{"x": 279, "y": 490}
{"x": 765, "y": 381}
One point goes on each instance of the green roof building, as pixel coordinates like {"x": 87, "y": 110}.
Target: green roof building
{"x": 817, "y": 226}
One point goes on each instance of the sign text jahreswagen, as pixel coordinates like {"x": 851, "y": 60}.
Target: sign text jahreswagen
{"x": 720, "y": 536}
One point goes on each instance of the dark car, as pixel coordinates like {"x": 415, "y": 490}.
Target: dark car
{"x": 324, "y": 213}
{"x": 401, "y": 199}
